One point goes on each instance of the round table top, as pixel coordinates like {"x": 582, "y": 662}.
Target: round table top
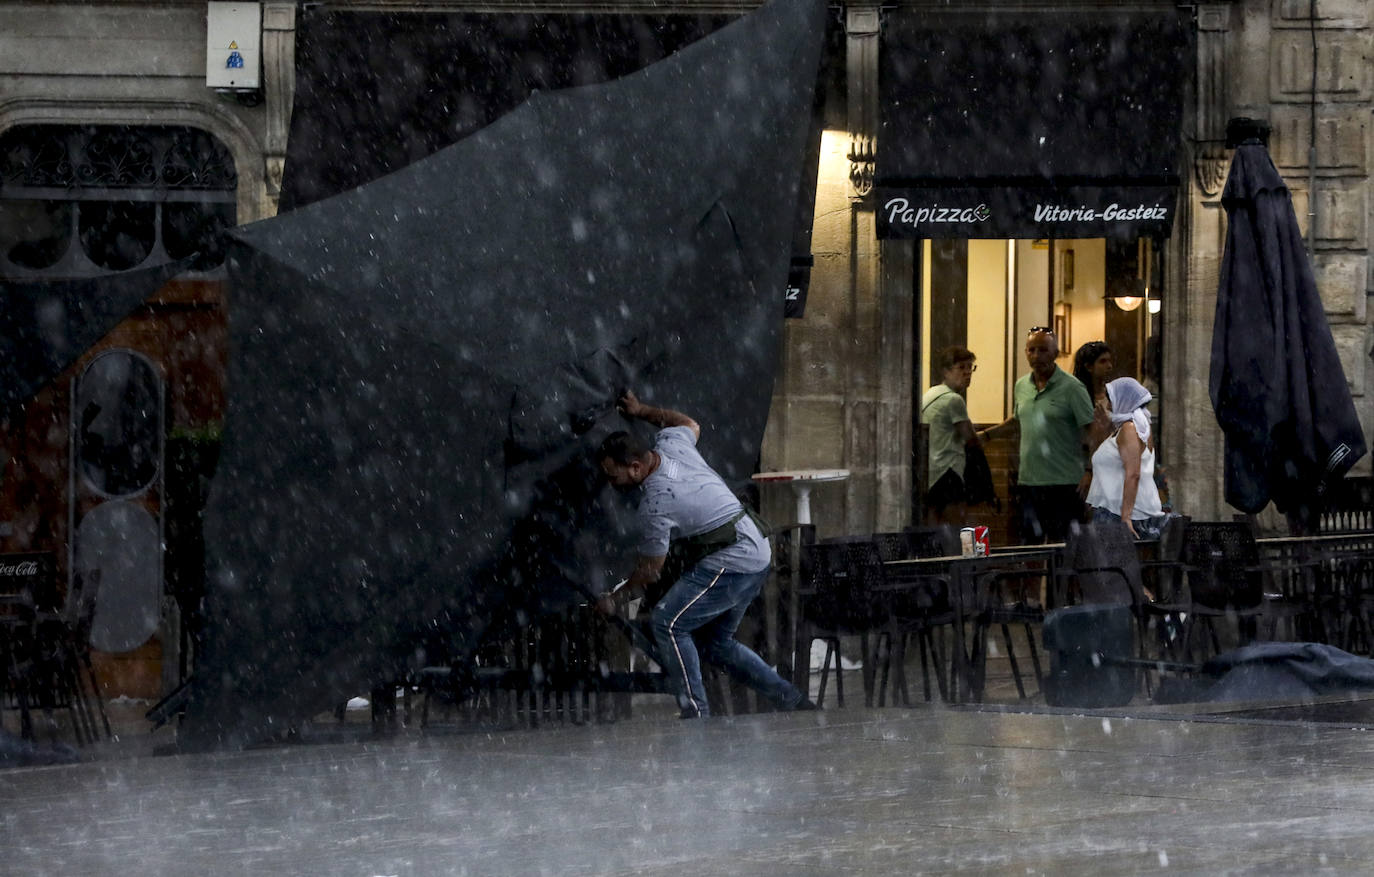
{"x": 789, "y": 475}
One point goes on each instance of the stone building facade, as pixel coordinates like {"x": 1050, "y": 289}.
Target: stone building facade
{"x": 843, "y": 391}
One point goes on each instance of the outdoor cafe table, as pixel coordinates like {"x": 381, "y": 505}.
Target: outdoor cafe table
{"x": 966, "y": 575}
{"x": 801, "y": 481}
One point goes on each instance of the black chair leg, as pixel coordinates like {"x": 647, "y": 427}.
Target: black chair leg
{"x": 900, "y": 694}
{"x": 922, "y": 641}
{"x": 939, "y": 663}
{"x": 1011, "y": 659}
{"x": 868, "y": 670}
{"x": 1035, "y": 658}
{"x": 830, "y": 650}
{"x": 880, "y": 671}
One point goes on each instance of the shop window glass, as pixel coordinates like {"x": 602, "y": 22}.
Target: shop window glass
{"x": 118, "y": 235}
{"x": 119, "y": 423}
{"x": 189, "y": 229}
{"x": 985, "y": 294}
{"x": 84, "y": 200}
{"x": 34, "y": 234}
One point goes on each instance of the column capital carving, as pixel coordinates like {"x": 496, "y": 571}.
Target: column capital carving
{"x": 862, "y": 26}
{"x": 862, "y": 19}
{"x": 1213, "y": 98}
{"x": 279, "y": 86}
{"x": 1214, "y": 16}
{"x": 1210, "y": 173}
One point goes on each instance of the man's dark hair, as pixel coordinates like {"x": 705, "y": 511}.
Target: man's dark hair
{"x": 948, "y": 357}
{"x": 621, "y": 448}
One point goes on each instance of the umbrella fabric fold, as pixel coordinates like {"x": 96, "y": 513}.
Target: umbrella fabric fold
{"x": 421, "y": 368}
{"x": 46, "y": 325}
{"x": 1277, "y": 386}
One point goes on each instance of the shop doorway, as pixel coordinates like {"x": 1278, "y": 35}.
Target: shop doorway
{"x": 986, "y": 294}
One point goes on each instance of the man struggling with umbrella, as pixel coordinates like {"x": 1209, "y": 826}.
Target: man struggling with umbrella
{"x": 687, "y": 512}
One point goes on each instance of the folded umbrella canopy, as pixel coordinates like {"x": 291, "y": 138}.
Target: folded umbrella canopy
{"x": 421, "y": 368}
{"x": 1277, "y": 385}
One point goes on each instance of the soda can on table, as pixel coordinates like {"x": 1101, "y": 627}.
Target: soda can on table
{"x": 981, "y": 542}
{"x": 967, "y": 543}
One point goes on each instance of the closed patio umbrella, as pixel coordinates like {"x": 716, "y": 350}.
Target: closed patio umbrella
{"x": 421, "y": 368}
{"x": 1277, "y": 385}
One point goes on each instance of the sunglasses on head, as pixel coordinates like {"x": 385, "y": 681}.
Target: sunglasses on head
{"x": 1042, "y": 329}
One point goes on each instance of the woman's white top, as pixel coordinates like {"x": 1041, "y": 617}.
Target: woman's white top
{"x": 1109, "y": 477}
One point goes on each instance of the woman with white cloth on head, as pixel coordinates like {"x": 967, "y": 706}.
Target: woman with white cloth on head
{"x": 1123, "y": 487}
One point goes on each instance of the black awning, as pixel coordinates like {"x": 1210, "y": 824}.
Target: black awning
{"x": 1046, "y": 125}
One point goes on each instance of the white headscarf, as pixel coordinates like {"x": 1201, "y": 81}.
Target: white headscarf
{"x": 1129, "y": 399}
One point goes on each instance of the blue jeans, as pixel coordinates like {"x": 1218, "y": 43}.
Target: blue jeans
{"x": 710, "y": 603}
{"x": 1145, "y": 528}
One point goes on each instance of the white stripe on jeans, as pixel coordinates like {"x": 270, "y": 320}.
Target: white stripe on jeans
{"x": 686, "y": 682}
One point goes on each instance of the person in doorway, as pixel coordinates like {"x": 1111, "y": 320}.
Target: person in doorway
{"x": 1055, "y": 413}
{"x": 1094, "y": 367}
{"x": 685, "y": 506}
{"x": 945, "y": 409}
{"x": 1123, "y": 488}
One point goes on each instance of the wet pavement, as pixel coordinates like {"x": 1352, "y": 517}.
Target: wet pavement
{"x": 853, "y": 791}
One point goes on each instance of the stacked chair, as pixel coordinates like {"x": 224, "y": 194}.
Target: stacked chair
{"x": 46, "y": 663}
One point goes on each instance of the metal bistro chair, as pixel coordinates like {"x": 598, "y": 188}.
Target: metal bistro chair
{"x": 921, "y": 610}
{"x": 1226, "y": 580}
{"x": 840, "y": 594}
{"x": 1105, "y": 566}
{"x": 43, "y": 655}
{"x": 1003, "y": 612}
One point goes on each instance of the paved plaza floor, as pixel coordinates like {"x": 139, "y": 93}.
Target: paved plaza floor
{"x": 925, "y": 790}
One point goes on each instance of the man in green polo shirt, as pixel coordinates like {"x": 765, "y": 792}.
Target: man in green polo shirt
{"x": 1055, "y": 412}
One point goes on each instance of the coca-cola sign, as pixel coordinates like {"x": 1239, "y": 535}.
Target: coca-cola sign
{"x": 32, "y": 574}
{"x": 22, "y": 568}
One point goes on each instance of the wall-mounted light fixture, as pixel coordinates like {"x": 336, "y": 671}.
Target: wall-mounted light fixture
{"x": 1128, "y": 293}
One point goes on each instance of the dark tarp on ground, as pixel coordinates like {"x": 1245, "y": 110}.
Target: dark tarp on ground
{"x": 1283, "y": 671}
{"x": 421, "y": 368}
{"x": 46, "y": 325}
{"x": 1023, "y": 113}
{"x": 1277, "y": 385}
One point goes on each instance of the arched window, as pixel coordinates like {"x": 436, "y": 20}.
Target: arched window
{"x": 77, "y": 201}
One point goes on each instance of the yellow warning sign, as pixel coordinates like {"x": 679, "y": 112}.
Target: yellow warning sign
{"x": 233, "y": 44}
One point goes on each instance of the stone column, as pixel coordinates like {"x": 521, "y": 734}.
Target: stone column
{"x": 279, "y": 85}
{"x": 1191, "y": 442}
{"x": 870, "y": 438}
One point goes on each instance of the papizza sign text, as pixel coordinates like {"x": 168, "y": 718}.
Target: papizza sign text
{"x": 1010, "y": 212}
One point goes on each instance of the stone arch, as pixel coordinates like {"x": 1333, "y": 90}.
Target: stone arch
{"x": 244, "y": 146}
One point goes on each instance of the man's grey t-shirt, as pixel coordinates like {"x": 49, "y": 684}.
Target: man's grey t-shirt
{"x": 685, "y": 497}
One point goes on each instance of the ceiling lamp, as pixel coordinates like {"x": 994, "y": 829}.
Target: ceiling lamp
{"x": 1128, "y": 293}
